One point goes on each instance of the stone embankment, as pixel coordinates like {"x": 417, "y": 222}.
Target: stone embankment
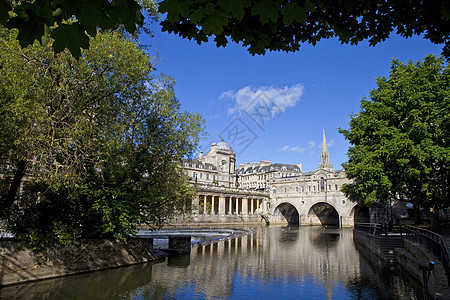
{"x": 389, "y": 249}
{"x": 18, "y": 263}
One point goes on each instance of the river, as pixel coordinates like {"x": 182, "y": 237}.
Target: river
{"x": 273, "y": 262}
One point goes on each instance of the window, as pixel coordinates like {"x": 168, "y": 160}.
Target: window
{"x": 207, "y": 176}
{"x": 336, "y": 187}
{"x": 309, "y": 189}
{"x": 201, "y": 175}
{"x": 329, "y": 187}
{"x": 194, "y": 175}
{"x": 314, "y": 188}
{"x": 322, "y": 184}
{"x": 285, "y": 190}
{"x": 214, "y": 177}
{"x": 187, "y": 173}
{"x": 296, "y": 188}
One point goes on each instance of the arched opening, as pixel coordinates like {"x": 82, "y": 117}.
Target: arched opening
{"x": 288, "y": 212}
{"x": 361, "y": 214}
{"x": 323, "y": 214}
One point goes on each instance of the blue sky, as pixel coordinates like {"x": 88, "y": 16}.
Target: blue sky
{"x": 273, "y": 107}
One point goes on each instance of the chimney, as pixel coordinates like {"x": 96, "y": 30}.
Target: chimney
{"x": 200, "y": 156}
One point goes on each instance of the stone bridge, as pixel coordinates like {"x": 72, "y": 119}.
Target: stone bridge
{"x": 321, "y": 208}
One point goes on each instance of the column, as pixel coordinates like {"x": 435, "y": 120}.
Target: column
{"x": 212, "y": 205}
{"x": 230, "y": 207}
{"x": 245, "y": 206}
{"x": 237, "y": 206}
{"x": 252, "y": 209}
{"x": 221, "y": 205}
{"x": 195, "y": 203}
{"x": 204, "y": 204}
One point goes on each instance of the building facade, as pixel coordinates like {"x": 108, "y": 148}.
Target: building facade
{"x": 281, "y": 193}
{"x": 258, "y": 175}
{"x": 217, "y": 167}
{"x": 312, "y": 198}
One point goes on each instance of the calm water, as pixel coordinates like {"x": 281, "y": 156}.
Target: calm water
{"x": 271, "y": 263}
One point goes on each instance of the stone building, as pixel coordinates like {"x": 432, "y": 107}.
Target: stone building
{"x": 257, "y": 176}
{"x": 216, "y": 167}
{"x": 279, "y": 192}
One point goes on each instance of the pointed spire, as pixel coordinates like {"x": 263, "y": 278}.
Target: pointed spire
{"x": 324, "y": 141}
{"x": 324, "y": 155}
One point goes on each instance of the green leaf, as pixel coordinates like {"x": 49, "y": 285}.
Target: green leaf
{"x": 5, "y": 7}
{"x": 292, "y": 11}
{"x": 267, "y": 10}
{"x": 221, "y": 40}
{"x": 174, "y": 8}
{"x": 30, "y": 28}
{"x": 198, "y": 14}
{"x": 45, "y": 38}
{"x": 128, "y": 13}
{"x": 235, "y": 7}
{"x": 71, "y": 37}
{"x": 92, "y": 16}
{"x": 214, "y": 24}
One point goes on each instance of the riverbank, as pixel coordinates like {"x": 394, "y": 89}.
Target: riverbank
{"x": 19, "y": 264}
{"x": 408, "y": 256}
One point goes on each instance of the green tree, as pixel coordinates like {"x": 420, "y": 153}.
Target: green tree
{"x": 260, "y": 25}
{"x": 70, "y": 23}
{"x": 400, "y": 138}
{"x": 95, "y": 142}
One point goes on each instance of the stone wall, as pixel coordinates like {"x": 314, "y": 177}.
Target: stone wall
{"x": 409, "y": 259}
{"x": 18, "y": 263}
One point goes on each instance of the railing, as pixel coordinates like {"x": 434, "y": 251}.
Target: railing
{"x": 433, "y": 242}
{"x": 372, "y": 228}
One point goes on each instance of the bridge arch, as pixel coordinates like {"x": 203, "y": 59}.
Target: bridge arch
{"x": 360, "y": 214}
{"x": 286, "y": 212}
{"x": 323, "y": 213}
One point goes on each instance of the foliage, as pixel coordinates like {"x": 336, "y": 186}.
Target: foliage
{"x": 400, "y": 137}
{"x": 279, "y": 25}
{"x": 70, "y": 23}
{"x": 260, "y": 25}
{"x": 97, "y": 141}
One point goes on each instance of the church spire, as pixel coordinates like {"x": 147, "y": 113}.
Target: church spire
{"x": 324, "y": 155}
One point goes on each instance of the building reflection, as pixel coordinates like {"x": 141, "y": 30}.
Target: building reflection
{"x": 268, "y": 255}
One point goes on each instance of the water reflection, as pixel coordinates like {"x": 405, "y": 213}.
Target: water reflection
{"x": 271, "y": 262}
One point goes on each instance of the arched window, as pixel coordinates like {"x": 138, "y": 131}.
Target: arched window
{"x": 322, "y": 184}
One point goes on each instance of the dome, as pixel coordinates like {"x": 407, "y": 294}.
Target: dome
{"x": 223, "y": 146}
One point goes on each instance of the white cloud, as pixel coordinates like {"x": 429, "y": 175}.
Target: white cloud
{"x": 277, "y": 99}
{"x": 292, "y": 149}
{"x": 311, "y": 144}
